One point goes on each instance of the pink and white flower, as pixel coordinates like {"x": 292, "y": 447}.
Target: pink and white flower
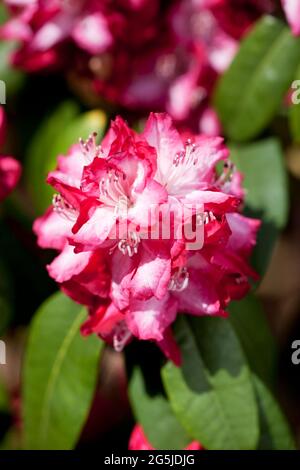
{"x": 134, "y": 282}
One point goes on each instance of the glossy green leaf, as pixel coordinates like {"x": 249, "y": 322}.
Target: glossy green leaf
{"x": 265, "y": 179}
{"x": 265, "y": 243}
{"x": 212, "y": 394}
{"x": 39, "y": 154}
{"x": 250, "y": 93}
{"x": 152, "y": 410}
{"x": 60, "y": 372}
{"x": 56, "y": 135}
{"x": 251, "y": 326}
{"x": 275, "y": 431}
{"x": 294, "y": 112}
{"x": 267, "y": 192}
{"x": 3, "y": 14}
{"x": 12, "y": 78}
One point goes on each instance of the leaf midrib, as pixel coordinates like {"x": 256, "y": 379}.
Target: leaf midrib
{"x": 218, "y": 402}
{"x": 55, "y": 370}
{"x": 261, "y": 64}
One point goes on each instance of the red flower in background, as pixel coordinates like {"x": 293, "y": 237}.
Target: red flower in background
{"x": 10, "y": 169}
{"x": 138, "y": 441}
{"x": 135, "y": 284}
{"x": 143, "y": 55}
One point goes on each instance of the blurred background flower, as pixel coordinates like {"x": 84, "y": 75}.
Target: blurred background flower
{"x": 10, "y": 169}
{"x": 142, "y": 56}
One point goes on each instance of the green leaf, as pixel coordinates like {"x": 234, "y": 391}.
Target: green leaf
{"x": 266, "y": 239}
{"x": 3, "y": 14}
{"x": 80, "y": 127}
{"x": 275, "y": 431}
{"x": 153, "y": 411}
{"x": 60, "y": 372}
{"x": 212, "y": 394}
{"x": 251, "y": 326}
{"x": 250, "y": 93}
{"x": 294, "y": 115}
{"x": 39, "y": 154}
{"x": 267, "y": 192}
{"x": 265, "y": 179}
{"x": 12, "y": 78}
{"x": 55, "y": 137}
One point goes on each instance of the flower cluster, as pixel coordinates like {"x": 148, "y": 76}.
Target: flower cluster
{"x": 138, "y": 441}
{"x": 140, "y": 54}
{"x": 146, "y": 228}
{"x": 10, "y": 169}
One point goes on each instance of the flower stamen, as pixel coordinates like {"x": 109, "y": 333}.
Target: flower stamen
{"x": 112, "y": 189}
{"x": 121, "y": 336}
{"x": 185, "y": 157}
{"x": 180, "y": 280}
{"x": 89, "y": 147}
{"x": 205, "y": 218}
{"x": 130, "y": 244}
{"x": 64, "y": 208}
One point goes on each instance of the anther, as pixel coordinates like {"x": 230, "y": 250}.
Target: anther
{"x": 179, "y": 280}
{"x": 63, "y": 207}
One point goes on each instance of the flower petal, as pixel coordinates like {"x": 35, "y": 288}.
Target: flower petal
{"x": 52, "y": 230}
{"x": 68, "y": 264}
{"x": 292, "y": 11}
{"x": 92, "y": 33}
{"x": 149, "y": 319}
{"x": 162, "y": 135}
{"x": 95, "y": 230}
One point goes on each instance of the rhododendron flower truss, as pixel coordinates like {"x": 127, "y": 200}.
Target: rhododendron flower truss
{"x": 142, "y": 55}
{"x": 138, "y": 441}
{"x": 146, "y": 228}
